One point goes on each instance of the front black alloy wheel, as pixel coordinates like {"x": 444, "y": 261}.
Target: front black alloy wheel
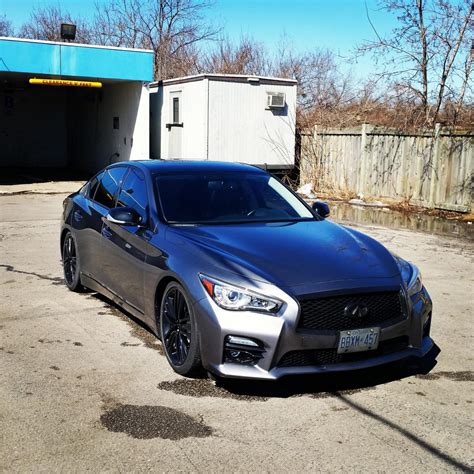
{"x": 71, "y": 264}
{"x": 179, "y": 333}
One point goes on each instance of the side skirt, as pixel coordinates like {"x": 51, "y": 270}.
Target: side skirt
{"x": 94, "y": 285}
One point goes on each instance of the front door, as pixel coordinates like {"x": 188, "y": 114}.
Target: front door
{"x": 104, "y": 200}
{"x": 126, "y": 246}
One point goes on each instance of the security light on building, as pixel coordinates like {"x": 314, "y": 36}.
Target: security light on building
{"x": 68, "y": 31}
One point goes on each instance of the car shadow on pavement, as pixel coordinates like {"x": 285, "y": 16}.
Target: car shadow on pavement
{"x": 331, "y": 384}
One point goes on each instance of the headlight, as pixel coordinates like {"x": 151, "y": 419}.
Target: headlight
{"x": 411, "y": 276}
{"x": 238, "y": 299}
{"x": 415, "y": 284}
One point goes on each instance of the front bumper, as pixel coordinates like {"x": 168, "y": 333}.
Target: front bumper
{"x": 279, "y": 337}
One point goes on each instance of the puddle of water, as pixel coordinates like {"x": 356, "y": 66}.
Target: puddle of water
{"x": 147, "y": 422}
{"x": 460, "y": 376}
{"x": 204, "y": 388}
{"x": 340, "y": 392}
{"x": 344, "y": 213}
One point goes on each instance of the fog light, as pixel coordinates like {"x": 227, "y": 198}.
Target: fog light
{"x": 242, "y": 350}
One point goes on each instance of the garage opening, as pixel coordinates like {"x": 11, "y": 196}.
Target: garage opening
{"x": 69, "y": 132}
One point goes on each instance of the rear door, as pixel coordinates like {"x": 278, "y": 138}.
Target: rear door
{"x": 125, "y": 246}
{"x": 86, "y": 224}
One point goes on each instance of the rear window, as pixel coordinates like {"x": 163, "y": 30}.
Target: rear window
{"x": 93, "y": 185}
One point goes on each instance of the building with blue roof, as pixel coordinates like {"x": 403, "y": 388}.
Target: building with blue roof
{"x": 72, "y": 105}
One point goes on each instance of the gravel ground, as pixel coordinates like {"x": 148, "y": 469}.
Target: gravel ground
{"x": 84, "y": 387}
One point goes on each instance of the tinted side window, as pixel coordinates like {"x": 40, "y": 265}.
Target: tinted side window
{"x": 108, "y": 186}
{"x": 84, "y": 191}
{"x": 134, "y": 193}
{"x": 93, "y": 185}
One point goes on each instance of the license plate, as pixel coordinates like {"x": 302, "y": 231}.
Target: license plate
{"x": 358, "y": 340}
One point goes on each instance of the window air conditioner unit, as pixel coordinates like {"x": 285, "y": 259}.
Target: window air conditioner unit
{"x": 275, "y": 100}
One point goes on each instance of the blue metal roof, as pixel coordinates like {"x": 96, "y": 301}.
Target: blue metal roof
{"x": 75, "y": 60}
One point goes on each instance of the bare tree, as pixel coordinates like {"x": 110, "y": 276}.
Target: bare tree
{"x": 45, "y": 24}
{"x": 426, "y": 58}
{"x": 322, "y": 87}
{"x": 6, "y": 28}
{"x": 171, "y": 28}
{"x": 245, "y": 57}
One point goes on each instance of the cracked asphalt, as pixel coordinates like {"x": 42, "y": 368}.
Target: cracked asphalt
{"x": 85, "y": 388}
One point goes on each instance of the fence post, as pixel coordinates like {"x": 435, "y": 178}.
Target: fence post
{"x": 434, "y": 167}
{"x": 315, "y": 168}
{"x": 363, "y": 160}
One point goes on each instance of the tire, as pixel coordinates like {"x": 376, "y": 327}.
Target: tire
{"x": 71, "y": 264}
{"x": 179, "y": 331}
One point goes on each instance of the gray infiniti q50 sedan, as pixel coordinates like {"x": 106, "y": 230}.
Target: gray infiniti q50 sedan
{"x": 238, "y": 275}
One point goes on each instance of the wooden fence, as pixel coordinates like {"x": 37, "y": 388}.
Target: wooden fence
{"x": 433, "y": 169}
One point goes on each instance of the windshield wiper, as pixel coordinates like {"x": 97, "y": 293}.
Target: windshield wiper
{"x": 255, "y": 221}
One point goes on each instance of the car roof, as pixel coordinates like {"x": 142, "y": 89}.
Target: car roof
{"x": 182, "y": 166}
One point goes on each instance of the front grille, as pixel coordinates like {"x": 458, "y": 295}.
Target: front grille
{"x": 328, "y": 312}
{"x": 330, "y": 356}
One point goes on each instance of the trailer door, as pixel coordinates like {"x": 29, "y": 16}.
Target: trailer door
{"x": 175, "y": 126}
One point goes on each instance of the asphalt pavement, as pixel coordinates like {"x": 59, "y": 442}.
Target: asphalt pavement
{"x": 85, "y": 388}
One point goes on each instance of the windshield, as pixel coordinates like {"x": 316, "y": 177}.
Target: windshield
{"x": 219, "y": 198}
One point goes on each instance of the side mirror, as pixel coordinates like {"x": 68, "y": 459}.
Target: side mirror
{"x": 124, "y": 216}
{"x": 321, "y": 208}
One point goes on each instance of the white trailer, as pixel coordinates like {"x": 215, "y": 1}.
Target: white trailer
{"x": 221, "y": 117}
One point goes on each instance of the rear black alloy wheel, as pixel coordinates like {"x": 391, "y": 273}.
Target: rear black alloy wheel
{"x": 71, "y": 264}
{"x": 178, "y": 330}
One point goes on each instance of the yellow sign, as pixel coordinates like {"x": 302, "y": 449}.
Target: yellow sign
{"x": 65, "y": 82}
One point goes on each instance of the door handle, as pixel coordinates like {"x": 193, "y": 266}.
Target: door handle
{"x": 106, "y": 232}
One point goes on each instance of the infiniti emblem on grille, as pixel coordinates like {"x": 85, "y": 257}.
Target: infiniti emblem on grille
{"x": 356, "y": 311}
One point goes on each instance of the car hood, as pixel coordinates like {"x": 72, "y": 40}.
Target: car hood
{"x": 291, "y": 254}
